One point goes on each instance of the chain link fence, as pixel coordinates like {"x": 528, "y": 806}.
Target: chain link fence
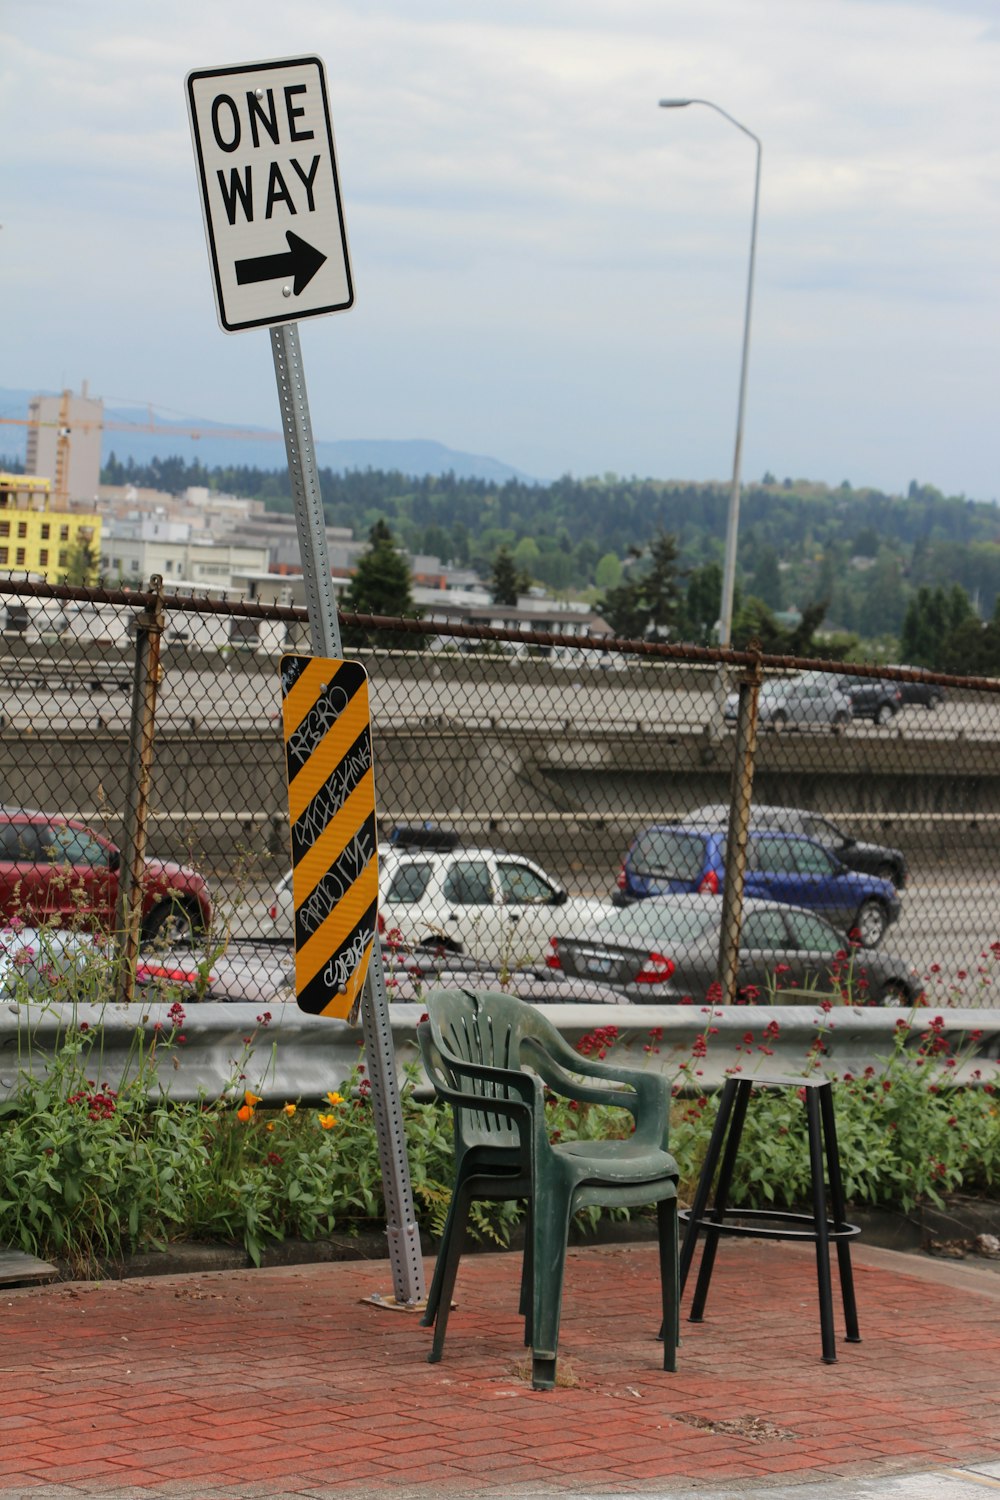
{"x": 584, "y": 818}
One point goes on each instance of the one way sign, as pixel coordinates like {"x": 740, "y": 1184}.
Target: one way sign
{"x": 267, "y": 170}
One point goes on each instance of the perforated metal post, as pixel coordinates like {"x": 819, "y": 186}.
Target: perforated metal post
{"x": 324, "y": 628}
{"x": 741, "y": 795}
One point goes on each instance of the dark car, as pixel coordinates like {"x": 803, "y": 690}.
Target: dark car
{"x": 874, "y": 859}
{"x": 926, "y": 694}
{"x": 780, "y": 866}
{"x": 871, "y": 697}
{"x": 56, "y": 871}
{"x": 667, "y": 949}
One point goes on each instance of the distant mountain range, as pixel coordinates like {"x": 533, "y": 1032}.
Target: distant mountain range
{"x": 127, "y": 435}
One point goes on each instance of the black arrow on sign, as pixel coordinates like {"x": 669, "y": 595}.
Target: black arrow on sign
{"x": 300, "y": 260}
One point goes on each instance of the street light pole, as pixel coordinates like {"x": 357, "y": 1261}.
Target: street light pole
{"x": 733, "y": 520}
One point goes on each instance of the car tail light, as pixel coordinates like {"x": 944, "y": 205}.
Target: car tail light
{"x": 146, "y": 972}
{"x": 380, "y": 924}
{"x": 709, "y": 884}
{"x": 552, "y": 959}
{"x": 272, "y": 912}
{"x": 656, "y": 969}
{"x": 622, "y": 879}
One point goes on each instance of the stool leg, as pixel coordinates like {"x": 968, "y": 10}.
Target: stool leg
{"x": 819, "y": 1220}
{"x": 704, "y": 1187}
{"x": 739, "y": 1097}
{"x": 839, "y": 1210}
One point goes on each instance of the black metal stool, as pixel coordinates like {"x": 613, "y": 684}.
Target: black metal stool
{"x": 765, "y": 1222}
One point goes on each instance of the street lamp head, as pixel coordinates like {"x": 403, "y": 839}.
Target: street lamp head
{"x": 675, "y": 103}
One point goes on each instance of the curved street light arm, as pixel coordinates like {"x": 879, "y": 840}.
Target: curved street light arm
{"x": 733, "y": 519}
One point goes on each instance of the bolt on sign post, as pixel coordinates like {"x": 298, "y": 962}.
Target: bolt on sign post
{"x": 270, "y": 195}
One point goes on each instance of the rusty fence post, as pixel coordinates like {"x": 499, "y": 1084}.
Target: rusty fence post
{"x": 142, "y": 727}
{"x": 741, "y": 795}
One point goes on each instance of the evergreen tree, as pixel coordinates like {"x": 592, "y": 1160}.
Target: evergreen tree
{"x": 767, "y": 577}
{"x": 380, "y": 586}
{"x": 647, "y": 603}
{"x": 506, "y": 581}
{"x": 702, "y": 604}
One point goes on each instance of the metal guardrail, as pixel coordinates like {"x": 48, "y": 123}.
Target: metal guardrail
{"x": 297, "y": 1057}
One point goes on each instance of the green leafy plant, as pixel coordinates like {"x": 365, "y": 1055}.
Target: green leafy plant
{"x": 93, "y": 1168}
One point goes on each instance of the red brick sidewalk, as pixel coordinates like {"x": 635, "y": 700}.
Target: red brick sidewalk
{"x": 274, "y": 1382}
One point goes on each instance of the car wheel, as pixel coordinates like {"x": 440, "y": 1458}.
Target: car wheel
{"x": 883, "y": 713}
{"x": 932, "y": 702}
{"x": 870, "y": 923}
{"x": 839, "y": 722}
{"x": 779, "y": 720}
{"x": 895, "y": 994}
{"x": 437, "y": 942}
{"x": 172, "y": 922}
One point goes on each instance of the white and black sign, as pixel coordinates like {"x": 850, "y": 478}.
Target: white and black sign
{"x": 263, "y": 142}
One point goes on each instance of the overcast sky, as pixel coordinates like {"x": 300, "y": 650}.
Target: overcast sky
{"x": 548, "y": 268}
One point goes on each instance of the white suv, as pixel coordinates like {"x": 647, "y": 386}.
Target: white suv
{"x": 500, "y": 909}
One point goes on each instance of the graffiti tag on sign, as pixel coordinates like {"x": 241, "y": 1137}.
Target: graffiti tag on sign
{"x": 331, "y": 810}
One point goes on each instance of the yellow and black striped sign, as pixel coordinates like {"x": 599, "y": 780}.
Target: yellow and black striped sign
{"x": 331, "y": 810}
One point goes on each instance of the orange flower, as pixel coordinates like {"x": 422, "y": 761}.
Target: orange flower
{"x": 335, "y": 1098}
{"x": 251, "y": 1099}
{"x": 328, "y": 1121}
{"x": 289, "y": 1110}
{"x": 244, "y": 1113}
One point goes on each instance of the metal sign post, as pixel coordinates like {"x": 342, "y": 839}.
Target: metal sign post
{"x": 263, "y": 143}
{"x": 404, "y": 1237}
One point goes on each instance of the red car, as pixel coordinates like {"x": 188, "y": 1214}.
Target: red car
{"x": 56, "y": 871}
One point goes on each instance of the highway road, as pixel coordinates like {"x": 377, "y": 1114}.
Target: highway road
{"x": 605, "y": 700}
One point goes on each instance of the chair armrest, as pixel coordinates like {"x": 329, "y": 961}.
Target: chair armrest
{"x": 648, "y": 1103}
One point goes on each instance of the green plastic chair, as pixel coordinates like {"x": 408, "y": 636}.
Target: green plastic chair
{"x": 491, "y": 1057}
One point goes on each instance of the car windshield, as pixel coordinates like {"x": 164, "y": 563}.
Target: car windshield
{"x": 651, "y": 922}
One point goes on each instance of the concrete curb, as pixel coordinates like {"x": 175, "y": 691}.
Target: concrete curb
{"x": 948, "y": 1233}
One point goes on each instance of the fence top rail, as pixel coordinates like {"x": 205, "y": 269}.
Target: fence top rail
{"x": 751, "y": 658}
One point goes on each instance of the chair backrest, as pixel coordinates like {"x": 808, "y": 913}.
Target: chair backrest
{"x": 491, "y": 1031}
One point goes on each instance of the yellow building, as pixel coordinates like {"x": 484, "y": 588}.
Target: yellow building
{"x": 34, "y": 538}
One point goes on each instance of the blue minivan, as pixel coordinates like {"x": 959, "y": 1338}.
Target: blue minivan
{"x": 785, "y": 867}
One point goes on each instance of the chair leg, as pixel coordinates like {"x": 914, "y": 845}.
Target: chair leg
{"x": 434, "y": 1295}
{"x": 451, "y": 1256}
{"x": 550, "y": 1232}
{"x": 838, "y": 1208}
{"x": 829, "y": 1343}
{"x": 524, "y": 1306}
{"x": 666, "y": 1223}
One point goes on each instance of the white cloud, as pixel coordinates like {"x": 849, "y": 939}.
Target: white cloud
{"x": 549, "y": 268}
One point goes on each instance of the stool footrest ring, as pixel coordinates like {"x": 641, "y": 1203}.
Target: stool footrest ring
{"x": 773, "y": 1217}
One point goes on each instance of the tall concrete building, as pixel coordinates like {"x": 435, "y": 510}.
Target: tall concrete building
{"x": 64, "y": 444}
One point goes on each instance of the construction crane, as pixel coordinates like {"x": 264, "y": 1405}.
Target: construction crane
{"x": 60, "y": 486}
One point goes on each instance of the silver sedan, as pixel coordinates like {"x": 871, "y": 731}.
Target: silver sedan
{"x": 666, "y": 948}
